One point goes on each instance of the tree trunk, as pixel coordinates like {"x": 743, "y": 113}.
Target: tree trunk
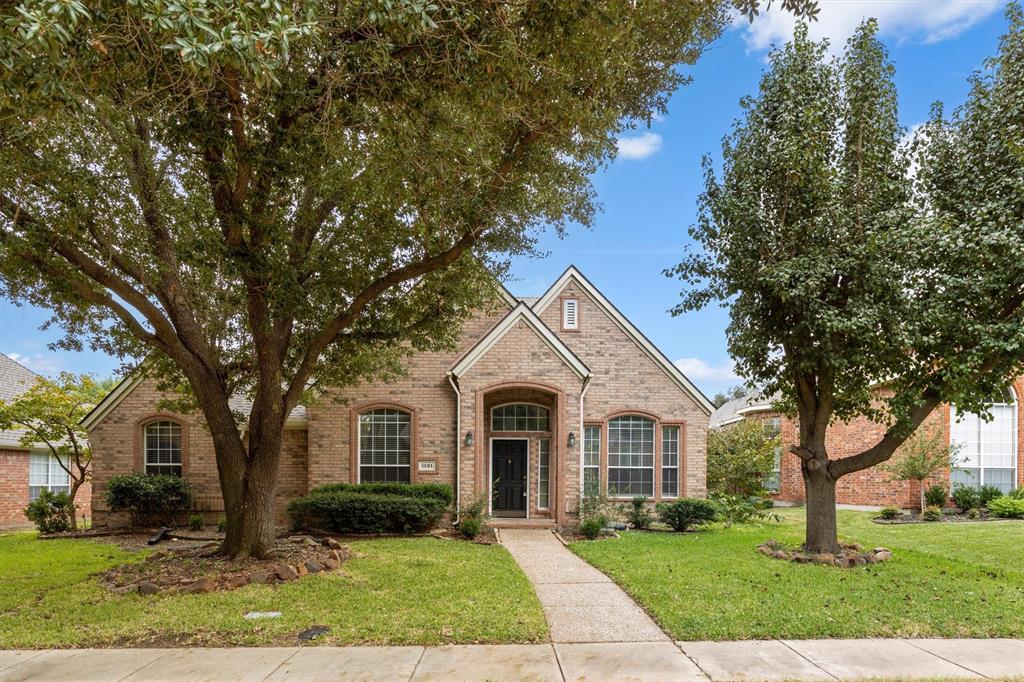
{"x": 72, "y": 491}
{"x": 920, "y": 489}
{"x": 822, "y": 536}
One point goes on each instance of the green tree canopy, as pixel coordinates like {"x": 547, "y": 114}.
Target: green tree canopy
{"x": 852, "y": 289}
{"x": 741, "y": 456}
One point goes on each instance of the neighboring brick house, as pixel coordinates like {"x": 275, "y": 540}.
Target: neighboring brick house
{"x": 540, "y": 395}
{"x": 24, "y": 472}
{"x": 989, "y": 454}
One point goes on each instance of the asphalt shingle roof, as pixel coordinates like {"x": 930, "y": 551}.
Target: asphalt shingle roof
{"x": 15, "y": 379}
{"x": 728, "y": 412}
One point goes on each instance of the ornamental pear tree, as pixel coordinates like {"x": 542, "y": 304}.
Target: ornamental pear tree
{"x": 857, "y": 285}
{"x": 50, "y": 414}
{"x": 277, "y": 198}
{"x": 923, "y": 455}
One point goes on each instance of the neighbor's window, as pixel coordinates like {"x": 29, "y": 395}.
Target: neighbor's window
{"x": 670, "y": 461}
{"x": 630, "y": 456}
{"x": 591, "y": 460}
{"x": 773, "y": 481}
{"x": 163, "y": 448}
{"x": 385, "y": 446}
{"x": 46, "y": 473}
{"x": 520, "y": 417}
{"x": 570, "y": 314}
{"x": 544, "y": 474}
{"x": 988, "y": 449}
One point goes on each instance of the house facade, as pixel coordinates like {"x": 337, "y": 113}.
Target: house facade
{"x": 989, "y": 452}
{"x": 542, "y": 398}
{"x": 25, "y": 472}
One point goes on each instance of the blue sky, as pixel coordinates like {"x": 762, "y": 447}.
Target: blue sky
{"x": 649, "y": 194}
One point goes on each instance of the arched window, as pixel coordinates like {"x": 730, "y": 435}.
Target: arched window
{"x": 520, "y": 417}
{"x": 630, "y": 456}
{"x": 988, "y": 449}
{"x": 385, "y": 446}
{"x": 163, "y": 447}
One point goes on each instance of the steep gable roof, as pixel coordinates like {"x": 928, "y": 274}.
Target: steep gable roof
{"x": 521, "y": 312}
{"x": 645, "y": 345}
{"x": 15, "y": 379}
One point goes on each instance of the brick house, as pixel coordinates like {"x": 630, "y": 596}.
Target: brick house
{"x": 990, "y": 452}
{"x": 541, "y": 397}
{"x": 24, "y": 472}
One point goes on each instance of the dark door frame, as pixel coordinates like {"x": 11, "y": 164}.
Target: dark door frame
{"x": 490, "y": 473}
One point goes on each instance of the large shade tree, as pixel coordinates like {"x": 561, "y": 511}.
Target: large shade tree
{"x": 277, "y": 198}
{"x": 853, "y": 288}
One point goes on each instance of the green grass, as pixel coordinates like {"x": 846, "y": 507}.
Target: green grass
{"x": 394, "y": 591}
{"x": 946, "y": 580}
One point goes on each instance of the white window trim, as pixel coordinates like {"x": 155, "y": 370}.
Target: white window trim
{"x": 583, "y": 455}
{"x": 490, "y": 472}
{"x": 1015, "y": 418}
{"x": 180, "y": 464}
{"x": 359, "y": 446}
{"x": 522, "y": 402}
{"x": 540, "y": 454}
{"x": 654, "y": 460}
{"x": 53, "y": 468}
{"x": 679, "y": 447}
{"x": 570, "y": 313}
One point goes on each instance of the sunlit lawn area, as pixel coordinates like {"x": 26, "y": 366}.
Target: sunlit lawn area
{"x": 946, "y": 580}
{"x": 394, "y": 591}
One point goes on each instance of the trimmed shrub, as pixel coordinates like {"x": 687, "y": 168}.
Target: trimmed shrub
{"x": 222, "y": 525}
{"x": 195, "y": 522}
{"x": 439, "y": 491}
{"x": 471, "y": 517}
{"x": 1007, "y": 507}
{"x": 361, "y": 512}
{"x": 935, "y": 496}
{"x": 149, "y": 500}
{"x": 987, "y": 493}
{"x": 686, "y": 512}
{"x": 591, "y": 526}
{"x": 1016, "y": 494}
{"x": 51, "y": 512}
{"x": 932, "y": 514}
{"x": 470, "y": 527}
{"x": 974, "y": 513}
{"x": 637, "y": 514}
{"x": 890, "y": 513}
{"x": 966, "y": 497}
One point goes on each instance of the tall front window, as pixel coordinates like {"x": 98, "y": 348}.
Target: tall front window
{"x": 163, "y": 448}
{"x": 46, "y": 473}
{"x": 385, "y": 446}
{"x": 988, "y": 449}
{"x": 630, "y": 456}
{"x": 520, "y": 417}
{"x": 591, "y": 460}
{"x": 773, "y": 481}
{"x": 544, "y": 475}
{"x": 670, "y": 461}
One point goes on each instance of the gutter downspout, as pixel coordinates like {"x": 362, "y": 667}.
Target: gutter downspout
{"x": 583, "y": 393}
{"x": 458, "y": 446}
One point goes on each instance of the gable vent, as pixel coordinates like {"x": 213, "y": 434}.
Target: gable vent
{"x": 570, "y": 314}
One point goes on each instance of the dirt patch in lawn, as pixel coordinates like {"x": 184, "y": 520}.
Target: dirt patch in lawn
{"x": 193, "y": 566}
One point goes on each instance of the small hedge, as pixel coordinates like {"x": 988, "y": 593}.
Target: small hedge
{"x": 149, "y": 499}
{"x": 686, "y": 513}
{"x": 371, "y": 507}
{"x": 51, "y": 512}
{"x": 1007, "y": 507}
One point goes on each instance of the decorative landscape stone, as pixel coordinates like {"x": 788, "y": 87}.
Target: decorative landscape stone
{"x": 851, "y": 555}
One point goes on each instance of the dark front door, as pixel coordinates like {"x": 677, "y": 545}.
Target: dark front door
{"x": 508, "y": 477}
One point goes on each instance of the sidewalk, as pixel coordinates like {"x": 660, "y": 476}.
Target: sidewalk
{"x": 563, "y": 662}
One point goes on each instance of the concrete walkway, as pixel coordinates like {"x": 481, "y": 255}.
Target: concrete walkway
{"x": 581, "y": 604}
{"x": 559, "y": 662}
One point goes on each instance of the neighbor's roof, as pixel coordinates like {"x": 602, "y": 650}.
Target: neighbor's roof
{"x": 734, "y": 410}
{"x": 15, "y": 379}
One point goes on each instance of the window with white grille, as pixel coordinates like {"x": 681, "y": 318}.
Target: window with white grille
{"x": 46, "y": 473}
{"x": 570, "y": 314}
{"x": 988, "y": 449}
{"x": 163, "y": 448}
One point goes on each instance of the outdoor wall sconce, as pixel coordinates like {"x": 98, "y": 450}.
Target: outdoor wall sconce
{"x": 469, "y": 438}
{"x": 572, "y": 438}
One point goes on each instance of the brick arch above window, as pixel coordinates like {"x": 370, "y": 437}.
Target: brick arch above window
{"x": 357, "y": 411}
{"x": 139, "y": 454}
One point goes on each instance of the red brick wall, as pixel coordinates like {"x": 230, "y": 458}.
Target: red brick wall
{"x": 14, "y": 490}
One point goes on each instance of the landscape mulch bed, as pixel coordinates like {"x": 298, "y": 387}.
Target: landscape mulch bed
{"x": 946, "y": 518}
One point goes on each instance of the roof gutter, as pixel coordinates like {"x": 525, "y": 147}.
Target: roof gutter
{"x": 458, "y": 445}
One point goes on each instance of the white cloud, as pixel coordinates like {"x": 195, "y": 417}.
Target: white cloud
{"x": 40, "y": 364}
{"x": 903, "y": 20}
{"x": 709, "y": 377}
{"x": 639, "y": 146}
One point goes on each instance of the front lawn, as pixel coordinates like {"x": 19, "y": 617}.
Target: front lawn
{"x": 393, "y": 591}
{"x": 946, "y": 580}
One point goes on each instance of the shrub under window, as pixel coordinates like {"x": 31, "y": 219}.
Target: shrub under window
{"x": 149, "y": 499}
{"x": 371, "y": 508}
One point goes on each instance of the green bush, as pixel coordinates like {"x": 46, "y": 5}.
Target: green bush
{"x": 222, "y": 525}
{"x": 638, "y": 515}
{"x": 966, "y": 497}
{"x": 439, "y": 491}
{"x": 471, "y": 517}
{"x": 987, "y": 493}
{"x": 932, "y": 513}
{"x": 195, "y": 522}
{"x": 51, "y": 512}
{"x": 935, "y": 496}
{"x": 739, "y": 509}
{"x": 1016, "y": 494}
{"x": 974, "y": 513}
{"x": 890, "y": 513}
{"x": 686, "y": 512}
{"x": 470, "y": 527}
{"x": 591, "y": 526}
{"x": 149, "y": 500}
{"x": 361, "y": 512}
{"x": 1007, "y": 507}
